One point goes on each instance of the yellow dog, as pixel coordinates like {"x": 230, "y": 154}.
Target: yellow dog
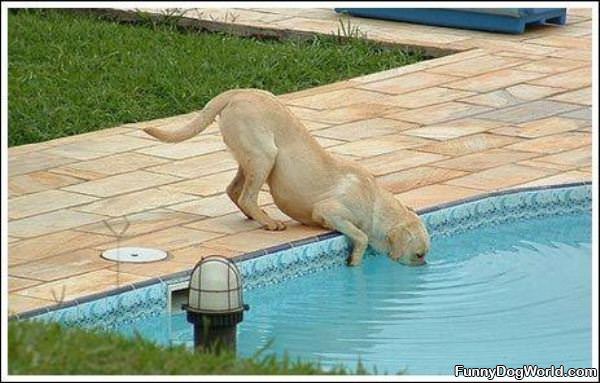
{"x": 308, "y": 184}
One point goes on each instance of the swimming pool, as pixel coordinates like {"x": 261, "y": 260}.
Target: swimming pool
{"x": 514, "y": 293}
{"x": 508, "y": 281}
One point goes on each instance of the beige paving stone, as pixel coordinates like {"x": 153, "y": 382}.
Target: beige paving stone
{"x": 226, "y": 224}
{"x": 43, "y": 202}
{"x": 337, "y": 99}
{"x": 477, "y": 65}
{"x": 563, "y": 42}
{"x": 61, "y": 266}
{"x": 541, "y": 127}
{"x": 432, "y": 195}
{"x": 16, "y": 283}
{"x": 134, "y": 202}
{"x": 425, "y": 97}
{"x": 535, "y": 163}
{"x": 37, "y": 182}
{"x": 215, "y": 206}
{"x": 422, "y": 65}
{"x": 496, "y": 99}
{"x": 260, "y": 239}
{"x": 408, "y": 82}
{"x": 512, "y": 95}
{"x": 530, "y": 92}
{"x": 416, "y": 177}
{"x": 582, "y": 12}
{"x": 122, "y": 183}
{"x": 553, "y": 144}
{"x": 18, "y": 303}
{"x": 529, "y": 111}
{"x": 379, "y": 145}
{"x": 495, "y": 80}
{"x": 500, "y": 177}
{"x": 438, "y": 113}
{"x": 352, "y": 113}
{"x": 574, "y": 79}
{"x": 153, "y": 269}
{"x": 17, "y": 151}
{"x": 504, "y": 44}
{"x": 572, "y": 53}
{"x": 186, "y": 149}
{"x": 562, "y": 178}
{"x": 34, "y": 161}
{"x": 312, "y": 13}
{"x": 469, "y": 144}
{"x": 81, "y": 285}
{"x": 315, "y": 91}
{"x": 484, "y": 160}
{"x": 93, "y": 135}
{"x": 453, "y": 129}
{"x": 192, "y": 254}
{"x": 578, "y": 157}
{"x": 527, "y": 56}
{"x": 99, "y": 147}
{"x": 51, "y": 222}
{"x": 579, "y": 96}
{"x": 552, "y": 65}
{"x": 198, "y": 166}
{"x": 204, "y": 186}
{"x": 167, "y": 239}
{"x": 108, "y": 166}
{"x": 364, "y": 129}
{"x": 236, "y": 15}
{"x": 398, "y": 160}
{"x": 34, "y": 249}
{"x": 140, "y": 223}
{"x": 581, "y": 114}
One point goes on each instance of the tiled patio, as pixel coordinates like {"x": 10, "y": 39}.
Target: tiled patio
{"x": 504, "y": 111}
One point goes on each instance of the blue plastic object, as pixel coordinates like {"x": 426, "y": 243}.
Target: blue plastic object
{"x": 507, "y": 20}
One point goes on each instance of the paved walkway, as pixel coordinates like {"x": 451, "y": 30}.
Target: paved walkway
{"x": 507, "y": 111}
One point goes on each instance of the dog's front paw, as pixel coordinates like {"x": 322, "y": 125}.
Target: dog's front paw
{"x": 274, "y": 226}
{"x": 353, "y": 261}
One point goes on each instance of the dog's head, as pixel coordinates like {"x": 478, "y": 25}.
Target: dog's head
{"x": 409, "y": 240}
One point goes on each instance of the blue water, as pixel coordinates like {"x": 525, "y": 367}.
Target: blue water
{"x": 513, "y": 294}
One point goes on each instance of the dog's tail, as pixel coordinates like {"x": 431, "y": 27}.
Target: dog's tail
{"x": 197, "y": 124}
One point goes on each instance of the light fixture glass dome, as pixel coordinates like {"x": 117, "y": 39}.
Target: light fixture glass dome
{"x": 215, "y": 286}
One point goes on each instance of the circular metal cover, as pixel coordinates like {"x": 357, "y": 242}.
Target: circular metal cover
{"x": 134, "y": 254}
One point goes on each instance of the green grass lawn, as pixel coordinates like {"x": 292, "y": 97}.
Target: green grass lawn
{"x": 73, "y": 73}
{"x": 48, "y": 349}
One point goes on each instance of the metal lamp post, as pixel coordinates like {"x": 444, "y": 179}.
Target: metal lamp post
{"x": 215, "y": 305}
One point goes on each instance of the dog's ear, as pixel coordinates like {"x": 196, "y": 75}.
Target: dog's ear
{"x": 397, "y": 234}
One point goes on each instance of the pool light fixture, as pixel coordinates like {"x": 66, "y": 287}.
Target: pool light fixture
{"x": 215, "y": 303}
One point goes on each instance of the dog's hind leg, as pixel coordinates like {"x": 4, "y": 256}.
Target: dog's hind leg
{"x": 234, "y": 190}
{"x": 256, "y": 170}
{"x": 254, "y": 148}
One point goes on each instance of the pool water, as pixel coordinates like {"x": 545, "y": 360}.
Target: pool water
{"x": 512, "y": 294}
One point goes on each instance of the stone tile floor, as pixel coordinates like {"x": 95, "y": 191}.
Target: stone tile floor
{"x": 500, "y": 111}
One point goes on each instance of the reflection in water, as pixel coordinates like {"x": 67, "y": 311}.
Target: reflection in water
{"x": 513, "y": 294}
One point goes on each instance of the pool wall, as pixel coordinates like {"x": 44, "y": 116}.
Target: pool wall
{"x": 150, "y": 298}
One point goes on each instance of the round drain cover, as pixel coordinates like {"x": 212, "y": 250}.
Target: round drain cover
{"x": 134, "y": 254}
